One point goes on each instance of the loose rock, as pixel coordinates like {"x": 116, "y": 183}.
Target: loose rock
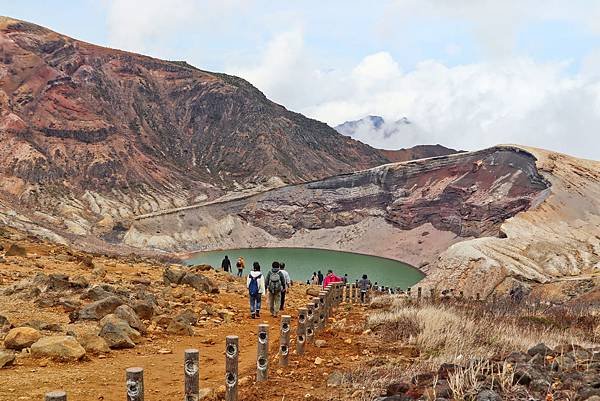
{"x": 21, "y": 337}
{"x": 58, "y": 347}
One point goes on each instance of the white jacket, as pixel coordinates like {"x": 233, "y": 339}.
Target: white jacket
{"x": 261, "y": 281}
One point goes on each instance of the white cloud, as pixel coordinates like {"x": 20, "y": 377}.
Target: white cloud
{"x": 509, "y": 100}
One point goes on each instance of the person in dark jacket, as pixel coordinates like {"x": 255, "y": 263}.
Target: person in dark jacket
{"x": 226, "y": 264}
{"x": 320, "y": 276}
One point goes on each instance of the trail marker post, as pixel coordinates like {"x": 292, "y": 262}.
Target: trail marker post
{"x": 301, "y": 331}
{"x": 191, "y": 370}
{"x": 310, "y": 323}
{"x": 262, "y": 354}
{"x": 284, "y": 340}
{"x": 134, "y": 382}
{"x": 231, "y": 367}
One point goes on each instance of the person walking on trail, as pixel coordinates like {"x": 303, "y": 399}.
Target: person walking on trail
{"x": 288, "y": 283}
{"x": 240, "y": 266}
{"x": 345, "y": 278}
{"x": 331, "y": 278}
{"x": 226, "y": 264}
{"x": 320, "y": 277}
{"x": 275, "y": 283}
{"x": 315, "y": 279}
{"x": 256, "y": 288}
{"x": 364, "y": 285}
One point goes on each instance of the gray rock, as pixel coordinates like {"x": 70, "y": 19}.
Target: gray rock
{"x": 172, "y": 276}
{"x": 180, "y": 327}
{"x": 4, "y": 324}
{"x": 97, "y": 310}
{"x": 188, "y": 316}
{"x": 144, "y": 309}
{"x": 127, "y": 313}
{"x": 541, "y": 349}
{"x": 200, "y": 283}
{"x": 93, "y": 343}
{"x": 488, "y": 395}
{"x": 335, "y": 379}
{"x": 117, "y": 333}
{"x": 6, "y": 358}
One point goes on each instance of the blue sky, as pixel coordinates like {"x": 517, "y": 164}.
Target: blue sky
{"x": 467, "y": 73}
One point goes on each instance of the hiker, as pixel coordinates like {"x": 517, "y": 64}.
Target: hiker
{"x": 314, "y": 279}
{"x": 288, "y": 283}
{"x": 345, "y": 278}
{"x": 275, "y": 283}
{"x": 240, "y": 266}
{"x": 330, "y": 278}
{"x": 364, "y": 285}
{"x": 320, "y": 277}
{"x": 256, "y": 288}
{"x": 226, "y": 264}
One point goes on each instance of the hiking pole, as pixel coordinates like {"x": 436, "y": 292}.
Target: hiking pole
{"x": 56, "y": 396}
{"x": 262, "y": 356}
{"x": 134, "y": 384}
{"x": 301, "y": 332}
{"x": 191, "y": 363}
{"x": 231, "y": 368}
{"x": 284, "y": 340}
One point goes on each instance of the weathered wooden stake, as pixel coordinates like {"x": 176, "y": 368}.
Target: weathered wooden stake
{"x": 56, "y": 396}
{"x": 231, "y": 368}
{"x": 310, "y": 323}
{"x": 262, "y": 355}
{"x": 134, "y": 381}
{"x": 322, "y": 310}
{"x": 301, "y": 332}
{"x": 284, "y": 340}
{"x": 191, "y": 370}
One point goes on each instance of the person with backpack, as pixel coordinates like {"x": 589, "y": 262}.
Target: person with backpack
{"x": 256, "y": 288}
{"x": 275, "y": 283}
{"x": 288, "y": 283}
{"x": 364, "y": 285}
{"x": 240, "y": 266}
{"x": 226, "y": 264}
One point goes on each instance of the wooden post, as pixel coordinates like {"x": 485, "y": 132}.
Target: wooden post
{"x": 301, "y": 332}
{"x": 262, "y": 355}
{"x": 310, "y": 323}
{"x": 231, "y": 368}
{"x": 316, "y": 314}
{"x": 56, "y": 396}
{"x": 134, "y": 384}
{"x": 322, "y": 311}
{"x": 191, "y": 364}
{"x": 284, "y": 340}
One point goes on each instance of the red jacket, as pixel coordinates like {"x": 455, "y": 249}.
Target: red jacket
{"x": 331, "y": 278}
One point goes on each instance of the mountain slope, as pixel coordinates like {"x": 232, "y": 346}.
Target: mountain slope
{"x": 105, "y": 131}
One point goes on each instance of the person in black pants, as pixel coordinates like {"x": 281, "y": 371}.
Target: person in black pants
{"x": 226, "y": 264}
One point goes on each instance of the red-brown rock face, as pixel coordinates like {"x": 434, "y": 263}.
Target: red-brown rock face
{"x": 75, "y": 116}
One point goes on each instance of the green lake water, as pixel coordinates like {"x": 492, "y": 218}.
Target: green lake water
{"x": 302, "y": 262}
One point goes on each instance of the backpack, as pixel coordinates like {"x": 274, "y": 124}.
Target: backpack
{"x": 275, "y": 282}
{"x": 253, "y": 287}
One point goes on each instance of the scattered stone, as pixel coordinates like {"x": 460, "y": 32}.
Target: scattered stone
{"x": 117, "y": 333}
{"x": 21, "y": 337}
{"x": 180, "y": 327}
{"x": 97, "y": 310}
{"x": 144, "y": 309}
{"x": 127, "y": 313}
{"x": 320, "y": 343}
{"x": 4, "y": 324}
{"x": 188, "y": 317}
{"x": 58, "y": 347}
{"x": 195, "y": 280}
{"x": 164, "y": 351}
{"x": 335, "y": 379}
{"x": 6, "y": 358}
{"x": 93, "y": 343}
{"x": 541, "y": 349}
{"x": 16, "y": 250}
{"x": 488, "y": 395}
{"x": 226, "y": 315}
{"x": 318, "y": 361}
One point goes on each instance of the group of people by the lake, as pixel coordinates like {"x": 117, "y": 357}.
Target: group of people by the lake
{"x": 277, "y": 282}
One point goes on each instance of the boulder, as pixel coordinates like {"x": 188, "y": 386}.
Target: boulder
{"x": 97, "y": 310}
{"x": 188, "y": 316}
{"x": 21, "y": 337}
{"x": 180, "y": 327}
{"x": 200, "y": 283}
{"x": 117, "y": 333}
{"x": 93, "y": 343}
{"x": 16, "y": 250}
{"x": 172, "y": 276}
{"x": 57, "y": 282}
{"x": 127, "y": 313}
{"x": 488, "y": 395}
{"x": 144, "y": 309}
{"x": 6, "y": 358}
{"x": 96, "y": 293}
{"x": 541, "y": 349}
{"x": 58, "y": 347}
{"x": 4, "y": 324}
